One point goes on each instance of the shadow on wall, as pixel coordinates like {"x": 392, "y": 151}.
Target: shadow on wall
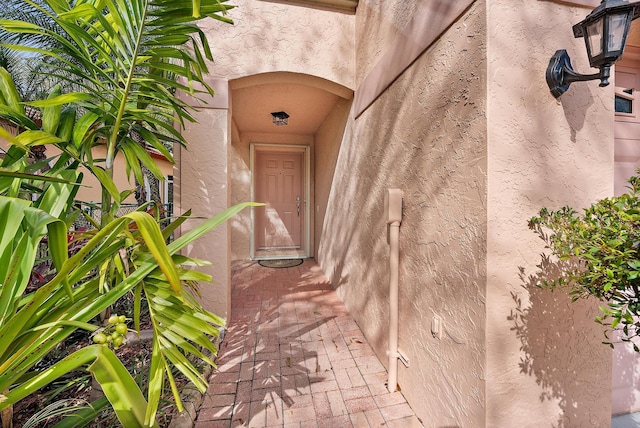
{"x": 425, "y": 134}
{"x": 625, "y": 378}
{"x": 555, "y": 346}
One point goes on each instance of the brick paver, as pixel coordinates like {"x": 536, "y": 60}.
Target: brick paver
{"x": 292, "y": 356}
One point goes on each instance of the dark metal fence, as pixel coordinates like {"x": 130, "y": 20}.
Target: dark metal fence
{"x": 94, "y": 211}
{"x": 43, "y": 261}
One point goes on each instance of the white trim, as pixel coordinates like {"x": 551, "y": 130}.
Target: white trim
{"x": 307, "y": 190}
{"x": 165, "y": 190}
{"x": 147, "y": 188}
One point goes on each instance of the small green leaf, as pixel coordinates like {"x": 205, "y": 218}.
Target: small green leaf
{"x": 8, "y": 92}
{"x": 51, "y": 113}
{"x": 615, "y": 322}
{"x": 82, "y": 127}
{"x": 37, "y": 138}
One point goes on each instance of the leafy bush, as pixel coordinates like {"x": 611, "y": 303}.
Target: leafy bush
{"x": 603, "y": 243}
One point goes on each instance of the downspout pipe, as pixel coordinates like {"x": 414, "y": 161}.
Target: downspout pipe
{"x": 393, "y": 212}
{"x": 394, "y": 255}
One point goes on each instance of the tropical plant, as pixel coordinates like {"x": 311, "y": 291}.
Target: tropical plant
{"x": 130, "y": 58}
{"x": 599, "y": 252}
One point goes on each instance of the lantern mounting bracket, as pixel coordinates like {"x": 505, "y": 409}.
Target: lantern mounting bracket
{"x": 560, "y": 74}
{"x": 605, "y": 32}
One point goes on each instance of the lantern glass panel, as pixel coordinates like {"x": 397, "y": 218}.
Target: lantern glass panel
{"x": 617, "y": 24}
{"x": 594, "y": 37}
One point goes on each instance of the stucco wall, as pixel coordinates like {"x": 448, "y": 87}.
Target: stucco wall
{"x": 426, "y": 136}
{"x": 201, "y": 185}
{"x": 378, "y": 25}
{"x": 545, "y": 363}
{"x": 240, "y": 182}
{"x": 327, "y": 147}
{"x": 283, "y": 37}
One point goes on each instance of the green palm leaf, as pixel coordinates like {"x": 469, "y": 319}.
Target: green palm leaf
{"x": 126, "y": 61}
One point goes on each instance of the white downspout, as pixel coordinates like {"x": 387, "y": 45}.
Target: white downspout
{"x": 393, "y": 213}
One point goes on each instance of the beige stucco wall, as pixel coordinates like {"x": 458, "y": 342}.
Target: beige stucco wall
{"x": 240, "y": 182}
{"x": 426, "y": 135}
{"x": 478, "y": 145}
{"x": 201, "y": 184}
{"x": 471, "y": 135}
{"x": 545, "y": 363}
{"x": 327, "y": 147}
{"x": 283, "y": 37}
{"x": 379, "y": 24}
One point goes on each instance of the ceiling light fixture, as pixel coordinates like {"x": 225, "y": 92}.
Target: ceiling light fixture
{"x": 280, "y": 118}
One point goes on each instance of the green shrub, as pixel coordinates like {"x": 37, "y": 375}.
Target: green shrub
{"x": 603, "y": 243}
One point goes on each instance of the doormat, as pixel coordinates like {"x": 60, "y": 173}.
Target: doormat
{"x": 283, "y": 263}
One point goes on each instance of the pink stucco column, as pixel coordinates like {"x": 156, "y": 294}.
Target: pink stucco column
{"x": 200, "y": 177}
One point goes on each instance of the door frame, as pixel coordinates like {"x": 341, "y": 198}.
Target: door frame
{"x": 284, "y": 148}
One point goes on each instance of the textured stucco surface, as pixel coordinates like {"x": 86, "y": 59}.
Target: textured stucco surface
{"x": 240, "y": 182}
{"x": 201, "y": 185}
{"x": 326, "y": 149}
{"x": 283, "y": 37}
{"x": 545, "y": 363}
{"x": 471, "y": 135}
{"x": 378, "y": 24}
{"x": 426, "y": 136}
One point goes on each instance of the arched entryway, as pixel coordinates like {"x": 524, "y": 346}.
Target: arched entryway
{"x": 288, "y": 166}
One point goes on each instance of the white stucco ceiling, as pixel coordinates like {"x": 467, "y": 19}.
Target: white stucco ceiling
{"x": 307, "y": 107}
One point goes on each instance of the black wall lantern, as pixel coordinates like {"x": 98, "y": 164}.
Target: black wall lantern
{"x": 605, "y": 32}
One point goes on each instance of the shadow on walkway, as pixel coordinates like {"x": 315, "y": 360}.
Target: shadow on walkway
{"x": 293, "y": 357}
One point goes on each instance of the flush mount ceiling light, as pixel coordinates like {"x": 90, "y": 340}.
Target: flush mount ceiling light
{"x": 605, "y": 32}
{"x": 280, "y": 118}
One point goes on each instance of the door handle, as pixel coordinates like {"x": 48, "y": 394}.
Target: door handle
{"x": 298, "y": 205}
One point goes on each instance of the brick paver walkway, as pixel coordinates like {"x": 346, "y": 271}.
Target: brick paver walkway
{"x": 293, "y": 357}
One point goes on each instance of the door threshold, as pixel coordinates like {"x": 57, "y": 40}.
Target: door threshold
{"x": 279, "y": 254}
